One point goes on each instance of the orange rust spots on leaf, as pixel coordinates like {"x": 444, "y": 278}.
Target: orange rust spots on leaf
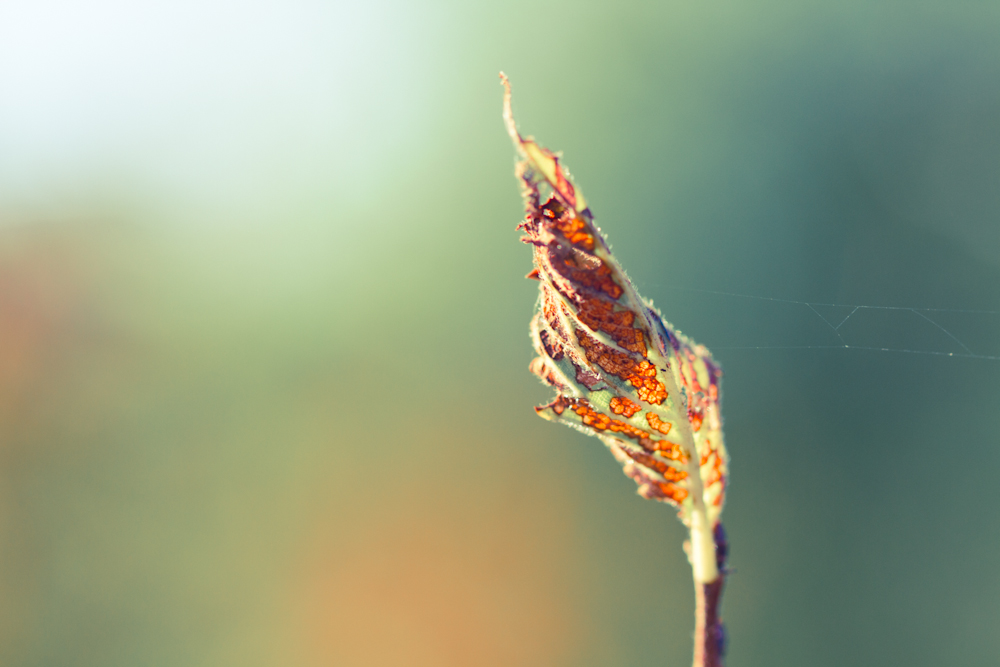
{"x": 657, "y": 424}
{"x": 600, "y": 315}
{"x": 640, "y": 374}
{"x": 696, "y": 420}
{"x": 603, "y": 423}
{"x": 572, "y": 259}
{"x": 592, "y": 272}
{"x": 715, "y": 475}
{"x": 670, "y": 473}
{"x": 573, "y": 231}
{"x": 572, "y": 227}
{"x": 533, "y": 275}
{"x": 622, "y": 406}
{"x": 672, "y": 491}
{"x": 670, "y": 450}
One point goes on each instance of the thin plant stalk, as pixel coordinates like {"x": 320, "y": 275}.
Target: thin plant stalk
{"x": 709, "y": 632}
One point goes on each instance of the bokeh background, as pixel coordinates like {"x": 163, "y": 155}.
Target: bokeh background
{"x": 264, "y": 396}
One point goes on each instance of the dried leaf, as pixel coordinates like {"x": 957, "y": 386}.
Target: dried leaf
{"x": 621, "y": 372}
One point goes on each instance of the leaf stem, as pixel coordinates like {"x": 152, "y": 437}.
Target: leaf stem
{"x": 709, "y": 632}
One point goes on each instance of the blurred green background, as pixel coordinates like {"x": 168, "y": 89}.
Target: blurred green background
{"x": 264, "y": 396}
